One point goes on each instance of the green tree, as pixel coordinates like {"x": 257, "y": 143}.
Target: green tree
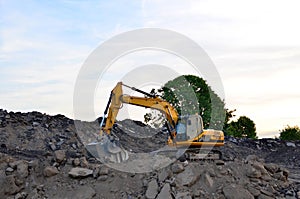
{"x": 243, "y": 127}
{"x": 190, "y": 94}
{"x": 290, "y": 133}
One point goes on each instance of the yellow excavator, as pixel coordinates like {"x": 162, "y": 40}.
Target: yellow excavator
{"x": 185, "y": 132}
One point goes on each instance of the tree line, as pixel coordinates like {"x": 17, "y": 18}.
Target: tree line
{"x": 190, "y": 94}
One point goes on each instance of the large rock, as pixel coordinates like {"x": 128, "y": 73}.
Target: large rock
{"x": 187, "y": 177}
{"x": 280, "y": 176}
{"x": 236, "y": 192}
{"x": 260, "y": 167}
{"x": 290, "y": 144}
{"x": 104, "y": 171}
{"x": 163, "y": 175}
{"x": 60, "y": 155}
{"x": 253, "y": 173}
{"x": 152, "y": 189}
{"x": 165, "y": 192}
{"x": 10, "y": 185}
{"x": 250, "y": 159}
{"x": 22, "y": 169}
{"x": 177, "y": 168}
{"x": 83, "y": 162}
{"x": 78, "y": 172}
{"x": 50, "y": 171}
{"x": 272, "y": 168}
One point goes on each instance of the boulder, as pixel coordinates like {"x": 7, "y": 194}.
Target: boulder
{"x": 163, "y": 175}
{"x": 290, "y": 144}
{"x": 104, "y": 171}
{"x": 83, "y": 162}
{"x": 165, "y": 192}
{"x": 253, "y": 173}
{"x": 76, "y": 162}
{"x": 9, "y": 169}
{"x": 187, "y": 177}
{"x": 22, "y": 169}
{"x": 60, "y": 155}
{"x": 152, "y": 189}
{"x": 50, "y": 171}
{"x": 103, "y": 178}
{"x": 78, "y": 172}
{"x": 280, "y": 176}
{"x": 177, "y": 168}
{"x": 260, "y": 167}
{"x": 272, "y": 168}
{"x": 250, "y": 159}
{"x": 236, "y": 192}
{"x": 10, "y": 185}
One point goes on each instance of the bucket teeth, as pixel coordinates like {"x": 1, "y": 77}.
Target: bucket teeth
{"x": 107, "y": 151}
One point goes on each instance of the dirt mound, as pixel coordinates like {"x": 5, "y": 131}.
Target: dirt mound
{"x": 43, "y": 156}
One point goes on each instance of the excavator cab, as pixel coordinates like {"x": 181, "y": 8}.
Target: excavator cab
{"x": 188, "y": 127}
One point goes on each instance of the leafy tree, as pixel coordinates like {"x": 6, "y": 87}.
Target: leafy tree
{"x": 243, "y": 127}
{"x": 190, "y": 94}
{"x": 290, "y": 133}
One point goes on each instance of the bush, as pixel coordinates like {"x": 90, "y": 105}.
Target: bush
{"x": 290, "y": 133}
{"x": 243, "y": 127}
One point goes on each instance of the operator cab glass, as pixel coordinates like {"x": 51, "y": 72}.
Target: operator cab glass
{"x": 181, "y": 131}
{"x": 189, "y": 127}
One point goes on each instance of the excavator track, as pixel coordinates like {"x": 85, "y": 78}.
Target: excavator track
{"x": 203, "y": 154}
{"x": 191, "y": 154}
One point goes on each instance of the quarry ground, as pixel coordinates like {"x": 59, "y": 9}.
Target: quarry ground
{"x": 43, "y": 156}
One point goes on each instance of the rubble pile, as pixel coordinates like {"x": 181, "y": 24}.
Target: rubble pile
{"x": 43, "y": 156}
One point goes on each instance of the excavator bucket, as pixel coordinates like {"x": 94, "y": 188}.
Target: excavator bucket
{"x": 106, "y": 150}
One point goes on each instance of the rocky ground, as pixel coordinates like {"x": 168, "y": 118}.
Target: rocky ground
{"x": 43, "y": 156}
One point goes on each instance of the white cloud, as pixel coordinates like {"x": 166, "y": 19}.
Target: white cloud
{"x": 254, "y": 45}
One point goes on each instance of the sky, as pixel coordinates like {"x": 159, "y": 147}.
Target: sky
{"x": 254, "y": 45}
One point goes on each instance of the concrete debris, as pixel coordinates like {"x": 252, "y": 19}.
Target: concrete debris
{"x": 50, "y": 171}
{"x": 152, "y": 189}
{"x": 60, "y": 155}
{"x": 78, "y": 172}
{"x": 165, "y": 192}
{"x": 233, "y": 191}
{"x": 187, "y": 178}
{"x": 291, "y": 144}
{"x": 43, "y": 156}
{"x": 177, "y": 168}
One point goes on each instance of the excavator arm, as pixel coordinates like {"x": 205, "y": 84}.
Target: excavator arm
{"x": 117, "y": 99}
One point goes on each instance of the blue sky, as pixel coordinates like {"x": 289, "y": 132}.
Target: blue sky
{"x": 255, "y": 46}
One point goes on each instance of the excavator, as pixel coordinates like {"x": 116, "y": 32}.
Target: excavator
{"x": 184, "y": 132}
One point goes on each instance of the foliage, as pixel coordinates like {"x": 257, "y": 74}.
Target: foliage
{"x": 290, "y": 133}
{"x": 192, "y": 95}
{"x": 243, "y": 127}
